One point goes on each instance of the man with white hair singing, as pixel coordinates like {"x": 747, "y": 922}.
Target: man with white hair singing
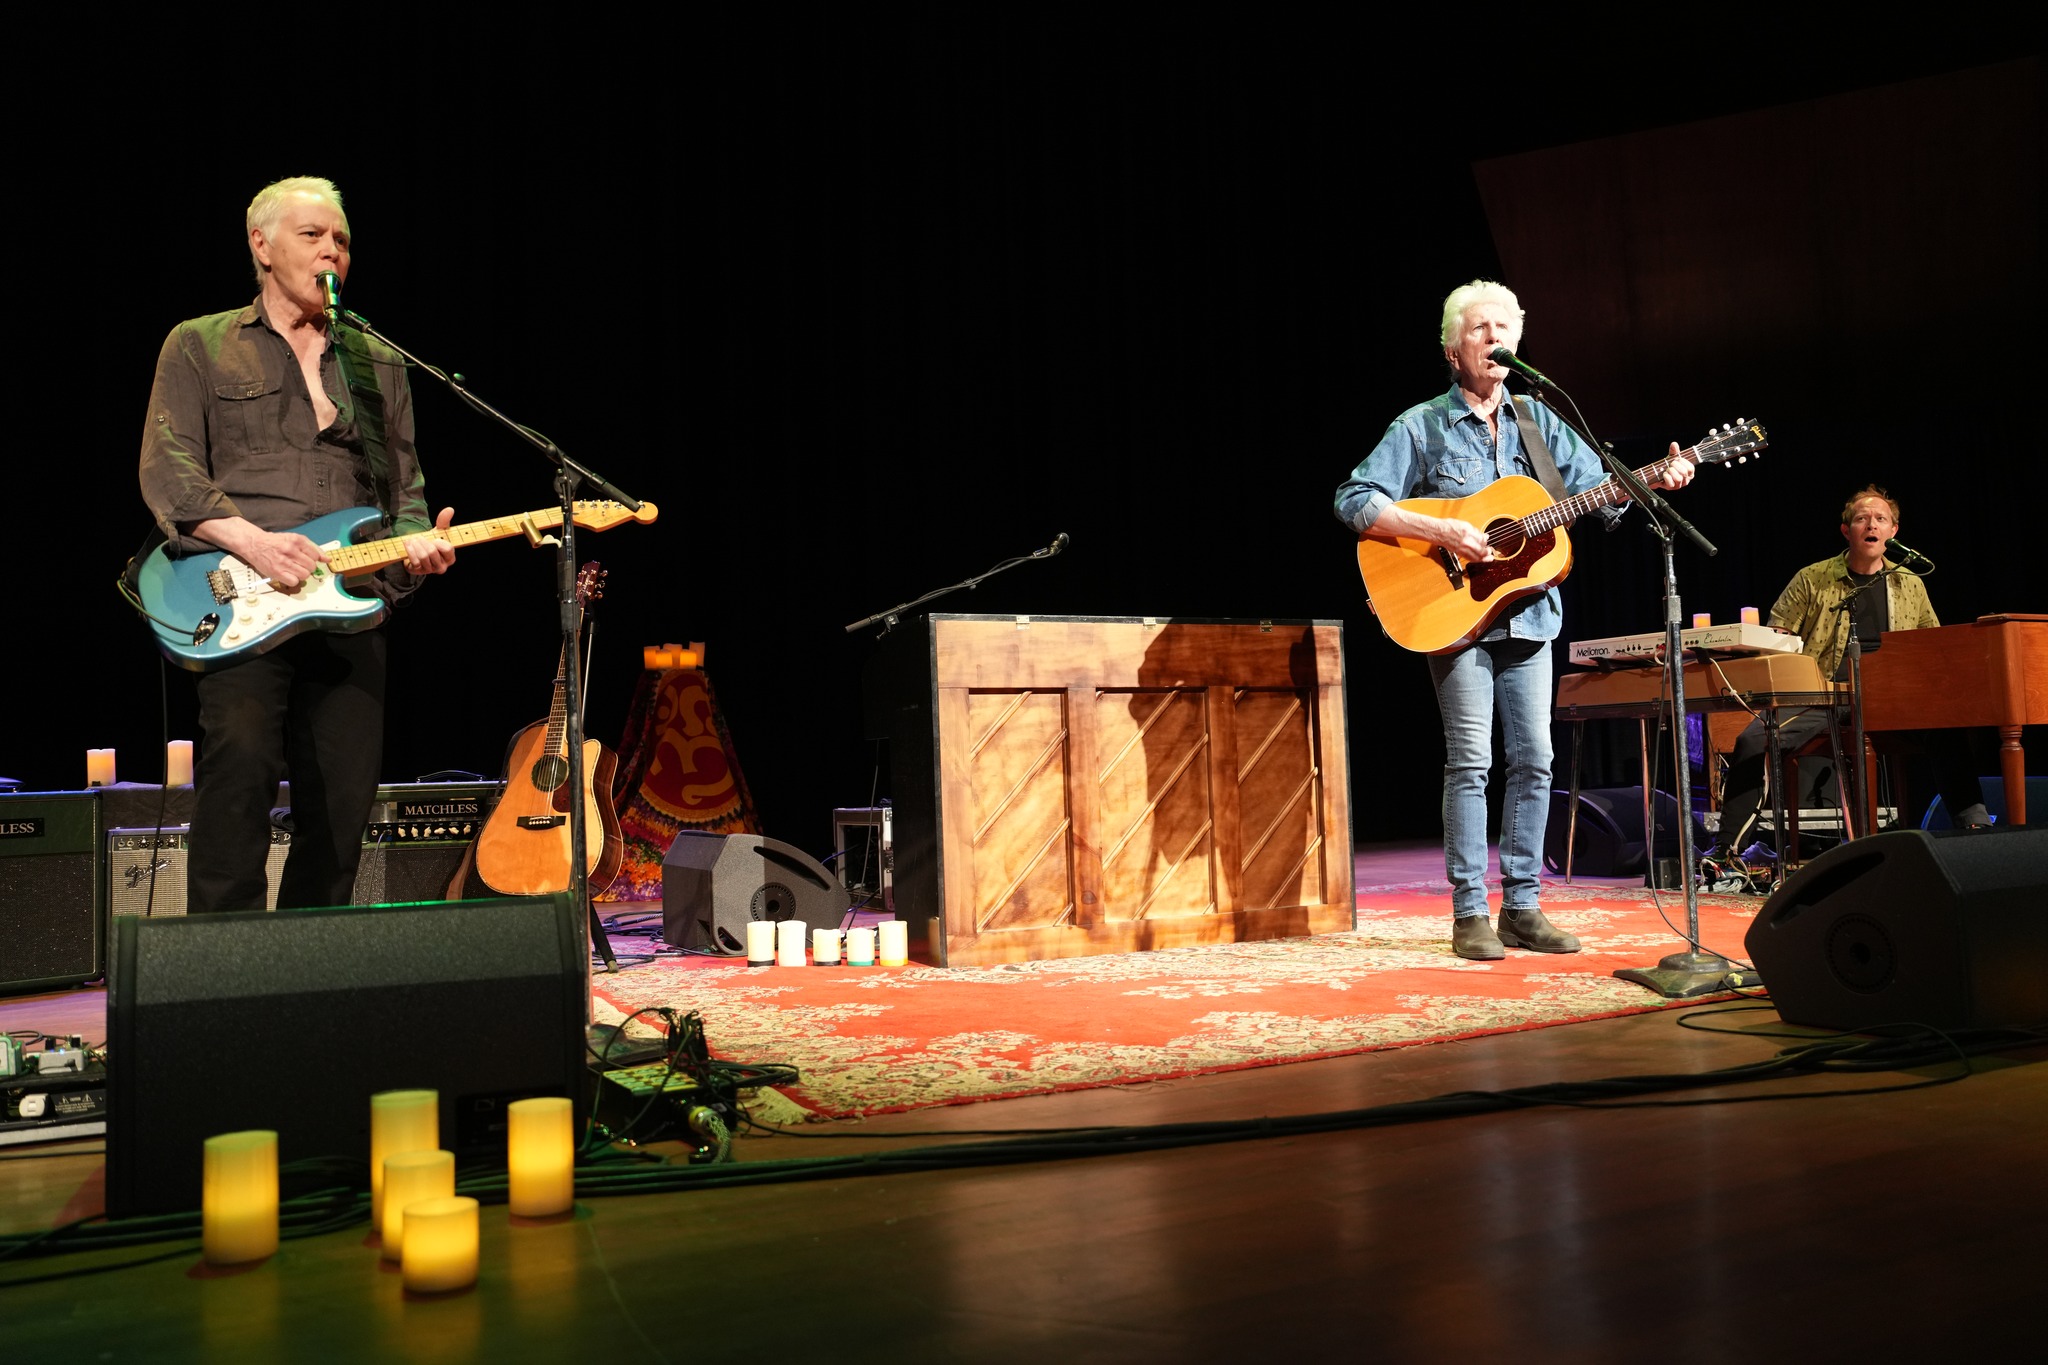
{"x": 1452, "y": 447}
{"x": 259, "y": 421}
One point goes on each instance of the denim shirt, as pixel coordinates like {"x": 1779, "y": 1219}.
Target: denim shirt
{"x": 1442, "y": 449}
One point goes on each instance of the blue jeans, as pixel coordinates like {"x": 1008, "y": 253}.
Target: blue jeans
{"x": 1511, "y": 677}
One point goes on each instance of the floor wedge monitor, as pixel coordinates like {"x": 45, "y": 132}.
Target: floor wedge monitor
{"x": 712, "y": 885}
{"x": 292, "y": 1020}
{"x": 1908, "y": 926}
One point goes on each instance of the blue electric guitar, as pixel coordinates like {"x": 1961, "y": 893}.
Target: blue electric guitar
{"x": 211, "y": 610}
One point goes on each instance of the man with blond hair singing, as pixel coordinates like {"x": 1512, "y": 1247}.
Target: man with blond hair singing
{"x": 260, "y": 420}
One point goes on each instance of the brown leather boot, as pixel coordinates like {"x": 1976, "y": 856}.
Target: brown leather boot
{"x": 1529, "y": 929}
{"x": 1472, "y": 937}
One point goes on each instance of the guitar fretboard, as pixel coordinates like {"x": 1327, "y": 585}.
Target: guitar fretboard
{"x": 1578, "y": 504}
{"x": 368, "y": 556}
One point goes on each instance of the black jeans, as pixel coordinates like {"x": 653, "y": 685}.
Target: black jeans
{"x": 312, "y": 710}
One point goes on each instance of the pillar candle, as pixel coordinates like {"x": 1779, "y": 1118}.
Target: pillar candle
{"x": 1752, "y": 617}
{"x": 99, "y": 767}
{"x": 178, "y": 763}
{"x": 400, "y": 1121}
{"x": 825, "y": 947}
{"x": 789, "y": 942}
{"x": 440, "y": 1245}
{"x": 860, "y": 947}
{"x": 1701, "y": 620}
{"x": 895, "y": 942}
{"x": 410, "y": 1177}
{"x": 238, "y": 1198}
{"x": 540, "y": 1155}
{"x": 761, "y": 943}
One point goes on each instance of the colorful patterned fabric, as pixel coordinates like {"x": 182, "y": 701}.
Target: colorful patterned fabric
{"x": 677, "y": 771}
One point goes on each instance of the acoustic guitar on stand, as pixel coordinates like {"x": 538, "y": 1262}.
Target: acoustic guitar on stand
{"x": 523, "y": 849}
{"x": 1430, "y": 601}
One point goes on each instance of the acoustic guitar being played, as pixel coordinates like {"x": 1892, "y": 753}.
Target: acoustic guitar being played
{"x": 1430, "y": 601}
{"x": 524, "y": 847}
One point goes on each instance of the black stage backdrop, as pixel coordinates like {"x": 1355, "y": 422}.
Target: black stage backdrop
{"x": 866, "y": 305}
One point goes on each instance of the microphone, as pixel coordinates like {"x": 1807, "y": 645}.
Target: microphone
{"x": 330, "y": 288}
{"x": 1059, "y": 542}
{"x": 1910, "y": 554}
{"x": 1503, "y": 356}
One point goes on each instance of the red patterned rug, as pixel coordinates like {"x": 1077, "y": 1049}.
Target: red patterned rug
{"x": 880, "y": 1040}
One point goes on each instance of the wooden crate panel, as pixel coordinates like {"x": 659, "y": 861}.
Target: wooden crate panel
{"x": 1156, "y": 818}
{"x": 1279, "y": 800}
{"x": 1022, "y": 831}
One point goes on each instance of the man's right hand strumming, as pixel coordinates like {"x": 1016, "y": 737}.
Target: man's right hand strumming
{"x": 286, "y": 558}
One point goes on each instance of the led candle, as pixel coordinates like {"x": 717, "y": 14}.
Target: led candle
{"x": 895, "y": 942}
{"x": 400, "y": 1121}
{"x": 440, "y": 1245}
{"x": 1702, "y": 619}
{"x": 860, "y": 947}
{"x": 789, "y": 942}
{"x": 540, "y": 1153}
{"x": 761, "y": 943}
{"x": 99, "y": 767}
{"x": 178, "y": 763}
{"x": 1752, "y": 617}
{"x": 410, "y": 1177}
{"x": 238, "y": 1198}
{"x": 825, "y": 947}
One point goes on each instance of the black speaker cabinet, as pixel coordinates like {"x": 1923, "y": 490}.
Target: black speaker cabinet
{"x": 403, "y": 872}
{"x": 1609, "y": 839}
{"x": 712, "y": 885}
{"x": 52, "y": 892}
{"x": 292, "y": 1020}
{"x": 1910, "y": 926}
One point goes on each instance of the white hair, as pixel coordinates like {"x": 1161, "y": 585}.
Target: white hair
{"x": 269, "y": 202}
{"x": 1465, "y": 296}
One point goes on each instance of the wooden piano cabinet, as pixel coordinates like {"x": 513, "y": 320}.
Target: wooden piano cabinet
{"x": 1067, "y": 786}
{"x": 1991, "y": 672}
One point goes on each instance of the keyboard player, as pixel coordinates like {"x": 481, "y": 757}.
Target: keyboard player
{"x": 1881, "y": 597}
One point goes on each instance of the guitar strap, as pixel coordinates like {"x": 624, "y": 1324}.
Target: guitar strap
{"x": 1540, "y": 458}
{"x": 359, "y": 376}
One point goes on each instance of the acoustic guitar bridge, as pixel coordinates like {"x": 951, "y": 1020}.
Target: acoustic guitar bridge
{"x": 542, "y": 821}
{"x": 1452, "y": 569}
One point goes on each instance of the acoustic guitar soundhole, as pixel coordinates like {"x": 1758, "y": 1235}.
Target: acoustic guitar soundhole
{"x": 550, "y": 772}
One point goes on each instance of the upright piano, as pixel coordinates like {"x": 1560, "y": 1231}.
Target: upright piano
{"x": 1992, "y": 672}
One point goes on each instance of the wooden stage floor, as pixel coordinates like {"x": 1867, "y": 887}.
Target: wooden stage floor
{"x": 1880, "y": 1227}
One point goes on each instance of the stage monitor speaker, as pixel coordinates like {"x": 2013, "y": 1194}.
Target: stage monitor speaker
{"x": 1912, "y": 927}
{"x": 291, "y": 1021}
{"x": 52, "y": 891}
{"x": 1610, "y": 840}
{"x": 712, "y": 885}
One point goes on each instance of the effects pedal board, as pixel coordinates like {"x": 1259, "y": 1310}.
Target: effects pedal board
{"x": 56, "y": 1093}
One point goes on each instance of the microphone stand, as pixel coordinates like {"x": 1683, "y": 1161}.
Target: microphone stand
{"x": 1695, "y": 972}
{"x": 893, "y": 616}
{"x": 568, "y": 476}
{"x": 1852, "y": 654}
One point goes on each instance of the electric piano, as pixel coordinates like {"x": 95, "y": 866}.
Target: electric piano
{"x": 1992, "y": 672}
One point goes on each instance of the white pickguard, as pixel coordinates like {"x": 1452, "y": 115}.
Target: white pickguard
{"x": 260, "y": 606}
